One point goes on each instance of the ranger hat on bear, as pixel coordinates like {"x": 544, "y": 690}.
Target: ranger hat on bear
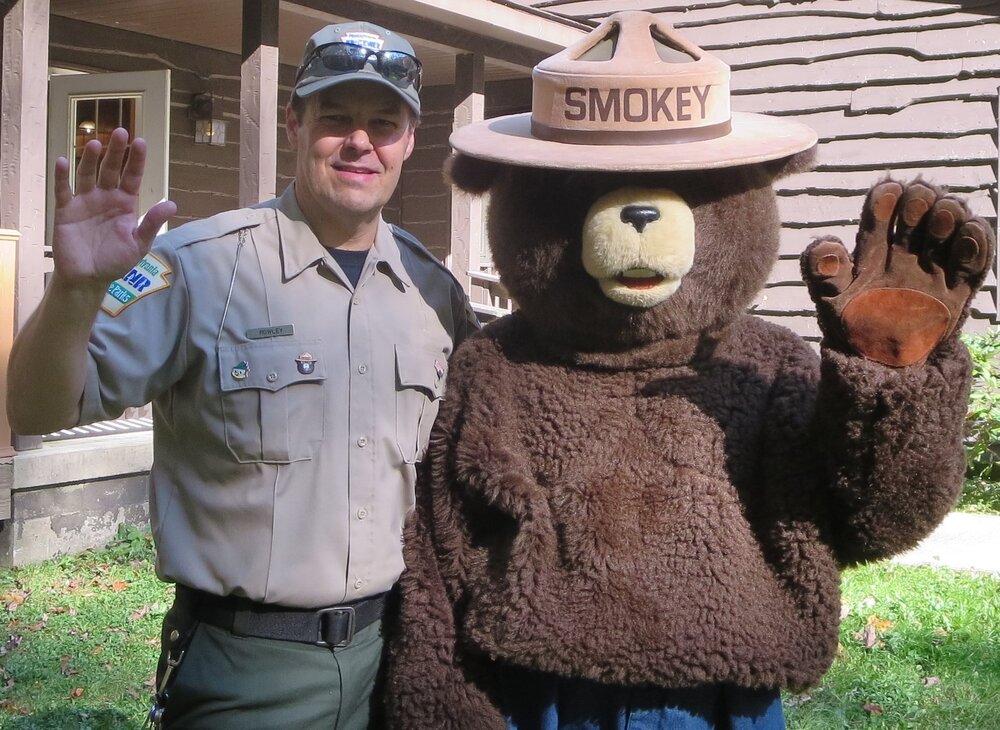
{"x": 632, "y": 95}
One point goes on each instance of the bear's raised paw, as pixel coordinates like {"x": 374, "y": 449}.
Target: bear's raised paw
{"x": 920, "y": 258}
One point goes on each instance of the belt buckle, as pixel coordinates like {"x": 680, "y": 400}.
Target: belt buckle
{"x": 328, "y": 619}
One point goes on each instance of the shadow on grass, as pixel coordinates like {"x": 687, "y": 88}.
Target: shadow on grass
{"x": 73, "y": 719}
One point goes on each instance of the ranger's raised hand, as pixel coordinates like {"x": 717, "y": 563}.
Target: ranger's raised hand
{"x": 96, "y": 235}
{"x": 920, "y": 258}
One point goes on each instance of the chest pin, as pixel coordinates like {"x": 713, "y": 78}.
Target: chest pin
{"x": 241, "y": 371}
{"x": 305, "y": 363}
{"x": 439, "y": 369}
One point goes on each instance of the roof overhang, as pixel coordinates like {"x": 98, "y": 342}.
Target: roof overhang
{"x": 503, "y": 30}
{"x": 520, "y": 25}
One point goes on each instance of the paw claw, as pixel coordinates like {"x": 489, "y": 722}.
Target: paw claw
{"x": 947, "y": 214}
{"x": 828, "y": 265}
{"x": 884, "y": 198}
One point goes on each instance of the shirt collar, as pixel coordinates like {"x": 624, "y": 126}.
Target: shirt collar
{"x": 292, "y": 226}
{"x": 308, "y": 251}
{"x": 387, "y": 252}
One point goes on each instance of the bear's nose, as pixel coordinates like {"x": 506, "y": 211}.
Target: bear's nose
{"x": 639, "y": 215}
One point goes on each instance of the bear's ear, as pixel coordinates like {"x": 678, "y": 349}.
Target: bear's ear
{"x": 470, "y": 174}
{"x": 799, "y": 162}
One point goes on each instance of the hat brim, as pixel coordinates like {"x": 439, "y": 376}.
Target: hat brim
{"x": 311, "y": 85}
{"x": 754, "y": 138}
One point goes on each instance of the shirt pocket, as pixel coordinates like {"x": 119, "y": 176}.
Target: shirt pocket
{"x": 420, "y": 379}
{"x": 272, "y": 400}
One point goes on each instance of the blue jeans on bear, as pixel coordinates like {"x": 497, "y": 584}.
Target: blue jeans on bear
{"x": 539, "y": 701}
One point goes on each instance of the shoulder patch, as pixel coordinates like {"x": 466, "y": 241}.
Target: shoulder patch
{"x": 146, "y": 277}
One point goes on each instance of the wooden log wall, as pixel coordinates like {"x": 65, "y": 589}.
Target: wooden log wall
{"x": 204, "y": 179}
{"x": 901, "y": 86}
{"x": 425, "y": 198}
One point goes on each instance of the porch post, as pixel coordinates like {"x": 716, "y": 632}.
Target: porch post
{"x": 23, "y": 177}
{"x": 259, "y": 102}
{"x": 466, "y": 210}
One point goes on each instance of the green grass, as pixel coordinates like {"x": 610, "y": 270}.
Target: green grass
{"x": 80, "y": 642}
{"x": 80, "y": 639}
{"x": 980, "y": 496}
{"x": 920, "y": 648}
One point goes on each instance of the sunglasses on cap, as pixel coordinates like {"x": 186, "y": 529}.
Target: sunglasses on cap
{"x": 398, "y": 68}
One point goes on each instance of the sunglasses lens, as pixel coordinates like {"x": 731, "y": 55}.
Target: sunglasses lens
{"x": 399, "y": 68}
{"x": 342, "y": 57}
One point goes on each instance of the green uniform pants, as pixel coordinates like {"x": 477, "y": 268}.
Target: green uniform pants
{"x": 244, "y": 683}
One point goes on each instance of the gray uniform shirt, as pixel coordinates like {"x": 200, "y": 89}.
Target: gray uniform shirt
{"x": 289, "y": 408}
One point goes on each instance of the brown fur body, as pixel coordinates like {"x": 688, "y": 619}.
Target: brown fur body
{"x": 661, "y": 496}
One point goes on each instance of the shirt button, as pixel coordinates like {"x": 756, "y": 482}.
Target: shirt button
{"x": 362, "y": 513}
{"x": 271, "y": 377}
{"x": 355, "y": 301}
{"x": 362, "y": 368}
{"x": 362, "y": 442}
{"x": 358, "y": 583}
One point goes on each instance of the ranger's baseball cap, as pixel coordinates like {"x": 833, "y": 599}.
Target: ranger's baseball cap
{"x": 359, "y": 52}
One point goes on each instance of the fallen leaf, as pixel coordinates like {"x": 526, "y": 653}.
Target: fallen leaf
{"x": 868, "y": 637}
{"x": 150, "y": 681}
{"x": 874, "y": 628}
{"x": 872, "y": 709}
{"x": 931, "y": 681}
{"x": 14, "y": 709}
{"x": 139, "y": 613}
{"x": 96, "y": 650}
{"x": 881, "y": 624}
{"x": 76, "y": 693}
{"x": 12, "y": 642}
{"x": 119, "y": 585}
{"x": 64, "y": 667}
{"x": 13, "y": 600}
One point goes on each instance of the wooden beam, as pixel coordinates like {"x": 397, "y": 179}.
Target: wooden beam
{"x": 445, "y": 32}
{"x": 995, "y": 194}
{"x": 467, "y": 210}
{"x": 6, "y": 484}
{"x": 8, "y": 273}
{"x": 24, "y": 102}
{"x": 260, "y": 25}
{"x": 259, "y": 102}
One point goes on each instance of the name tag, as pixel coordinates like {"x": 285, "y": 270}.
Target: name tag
{"x": 280, "y": 330}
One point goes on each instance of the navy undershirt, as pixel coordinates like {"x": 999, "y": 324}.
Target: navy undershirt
{"x": 352, "y": 262}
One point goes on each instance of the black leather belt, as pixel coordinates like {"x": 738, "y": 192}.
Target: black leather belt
{"x": 333, "y": 626}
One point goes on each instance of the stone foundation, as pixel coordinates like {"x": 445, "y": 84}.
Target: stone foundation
{"x": 71, "y": 496}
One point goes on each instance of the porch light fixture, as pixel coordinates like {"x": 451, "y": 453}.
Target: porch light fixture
{"x": 207, "y": 129}
{"x": 88, "y": 127}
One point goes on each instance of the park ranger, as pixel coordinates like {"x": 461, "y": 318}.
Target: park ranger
{"x": 295, "y": 353}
